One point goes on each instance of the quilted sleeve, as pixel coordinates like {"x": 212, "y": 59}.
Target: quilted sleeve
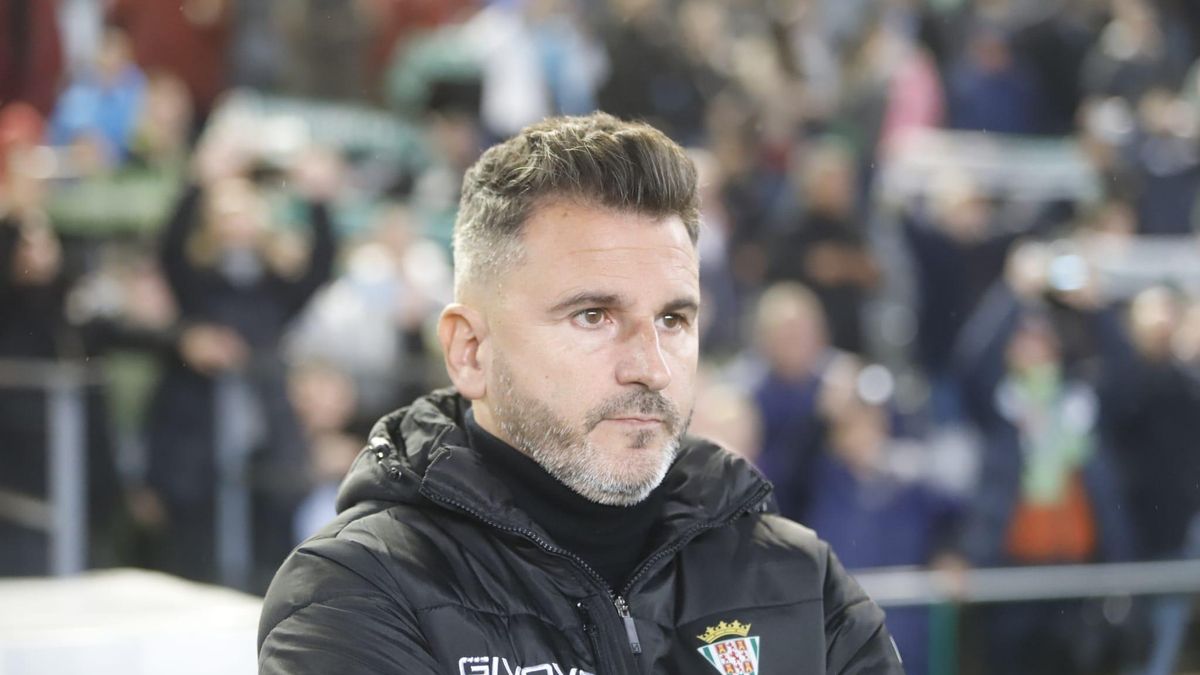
{"x": 856, "y": 640}
{"x": 323, "y": 614}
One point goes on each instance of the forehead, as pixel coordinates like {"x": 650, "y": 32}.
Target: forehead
{"x": 569, "y": 240}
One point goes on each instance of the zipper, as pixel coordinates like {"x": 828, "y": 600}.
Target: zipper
{"x": 618, "y": 599}
{"x": 622, "y": 607}
{"x": 635, "y": 643}
{"x": 589, "y": 626}
{"x": 593, "y": 633}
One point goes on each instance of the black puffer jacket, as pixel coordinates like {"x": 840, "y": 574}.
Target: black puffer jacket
{"x": 429, "y": 569}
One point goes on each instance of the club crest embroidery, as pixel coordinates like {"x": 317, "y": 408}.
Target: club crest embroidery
{"x": 735, "y": 655}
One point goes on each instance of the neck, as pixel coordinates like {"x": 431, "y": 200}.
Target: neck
{"x": 480, "y": 418}
{"x": 610, "y": 539}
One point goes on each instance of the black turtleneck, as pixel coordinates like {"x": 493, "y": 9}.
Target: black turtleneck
{"x": 611, "y": 539}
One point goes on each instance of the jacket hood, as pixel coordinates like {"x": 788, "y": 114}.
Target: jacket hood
{"x": 420, "y": 456}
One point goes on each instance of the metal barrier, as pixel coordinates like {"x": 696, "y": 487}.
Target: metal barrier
{"x": 907, "y": 586}
{"x": 63, "y": 515}
{"x": 234, "y": 537}
{"x": 1175, "y": 582}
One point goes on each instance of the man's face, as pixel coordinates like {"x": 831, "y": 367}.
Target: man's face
{"x": 591, "y": 358}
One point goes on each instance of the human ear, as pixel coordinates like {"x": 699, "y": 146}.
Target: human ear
{"x": 461, "y": 331}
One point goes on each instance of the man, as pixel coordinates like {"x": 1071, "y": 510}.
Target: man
{"x": 547, "y": 515}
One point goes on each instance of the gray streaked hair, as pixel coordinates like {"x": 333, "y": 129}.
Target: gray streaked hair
{"x": 596, "y": 159}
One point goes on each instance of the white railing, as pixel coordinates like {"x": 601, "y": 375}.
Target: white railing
{"x": 906, "y": 586}
{"x": 63, "y": 515}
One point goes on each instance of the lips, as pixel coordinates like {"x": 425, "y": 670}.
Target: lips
{"x": 637, "y": 411}
{"x": 635, "y": 420}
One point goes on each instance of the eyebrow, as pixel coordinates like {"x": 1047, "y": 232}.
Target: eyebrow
{"x": 589, "y": 299}
{"x": 682, "y": 305}
{"x": 595, "y": 299}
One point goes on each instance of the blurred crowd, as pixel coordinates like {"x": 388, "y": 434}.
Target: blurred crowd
{"x": 238, "y": 214}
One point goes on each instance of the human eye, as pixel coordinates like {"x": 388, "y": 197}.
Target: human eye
{"x": 673, "y": 322}
{"x": 593, "y": 317}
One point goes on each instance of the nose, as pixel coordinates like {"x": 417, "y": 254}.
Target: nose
{"x": 642, "y": 361}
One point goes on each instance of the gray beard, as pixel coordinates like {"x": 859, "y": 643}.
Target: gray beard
{"x": 565, "y": 452}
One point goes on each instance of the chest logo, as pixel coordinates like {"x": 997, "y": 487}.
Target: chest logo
{"x": 737, "y": 654}
{"x": 495, "y": 665}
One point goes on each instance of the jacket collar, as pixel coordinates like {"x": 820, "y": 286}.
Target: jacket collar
{"x": 420, "y": 455}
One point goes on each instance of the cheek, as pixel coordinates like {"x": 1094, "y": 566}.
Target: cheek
{"x": 683, "y": 393}
{"x": 682, "y": 390}
{"x": 557, "y": 370}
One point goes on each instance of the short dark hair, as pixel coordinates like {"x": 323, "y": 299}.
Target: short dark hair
{"x": 596, "y": 159}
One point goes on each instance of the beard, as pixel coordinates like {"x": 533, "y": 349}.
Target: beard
{"x": 612, "y": 476}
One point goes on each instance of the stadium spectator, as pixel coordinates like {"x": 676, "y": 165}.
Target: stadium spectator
{"x": 1050, "y": 496}
{"x": 958, "y": 253}
{"x": 1149, "y": 399}
{"x": 1165, "y": 164}
{"x": 826, "y": 248}
{"x": 325, "y": 401}
{"x": 238, "y": 286}
{"x": 1130, "y": 57}
{"x": 790, "y": 330}
{"x": 875, "y": 514}
{"x": 989, "y": 88}
{"x": 98, "y": 111}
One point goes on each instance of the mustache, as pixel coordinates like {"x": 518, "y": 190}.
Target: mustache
{"x": 643, "y": 402}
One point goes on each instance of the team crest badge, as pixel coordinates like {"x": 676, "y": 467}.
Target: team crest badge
{"x": 737, "y": 654}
